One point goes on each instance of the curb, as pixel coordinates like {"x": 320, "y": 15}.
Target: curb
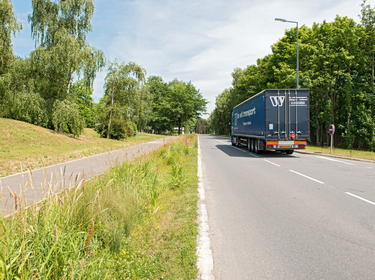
{"x": 335, "y": 156}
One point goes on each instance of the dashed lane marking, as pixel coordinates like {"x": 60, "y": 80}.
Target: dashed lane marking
{"x": 270, "y": 162}
{"x": 360, "y": 198}
{"x": 308, "y": 177}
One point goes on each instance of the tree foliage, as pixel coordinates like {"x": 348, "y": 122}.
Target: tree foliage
{"x": 8, "y": 27}
{"x": 66, "y": 118}
{"x": 176, "y": 104}
{"x": 123, "y": 96}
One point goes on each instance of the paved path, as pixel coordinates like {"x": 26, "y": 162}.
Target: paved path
{"x": 288, "y": 217}
{"x": 34, "y": 186}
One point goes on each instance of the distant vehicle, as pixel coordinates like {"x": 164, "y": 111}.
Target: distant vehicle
{"x": 272, "y": 120}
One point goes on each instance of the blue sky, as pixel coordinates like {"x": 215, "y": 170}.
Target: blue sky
{"x": 199, "y": 41}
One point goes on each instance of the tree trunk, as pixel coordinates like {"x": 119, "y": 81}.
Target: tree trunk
{"x": 110, "y": 118}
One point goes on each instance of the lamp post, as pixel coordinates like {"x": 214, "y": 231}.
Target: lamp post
{"x": 297, "y": 66}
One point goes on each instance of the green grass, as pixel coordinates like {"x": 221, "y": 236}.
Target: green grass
{"x": 343, "y": 152}
{"x": 25, "y": 146}
{"x": 138, "y": 221}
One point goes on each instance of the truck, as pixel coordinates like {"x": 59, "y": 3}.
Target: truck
{"x": 272, "y": 120}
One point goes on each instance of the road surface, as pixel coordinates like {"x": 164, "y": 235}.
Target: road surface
{"x": 289, "y": 217}
{"x": 28, "y": 188}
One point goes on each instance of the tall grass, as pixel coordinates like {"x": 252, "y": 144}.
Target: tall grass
{"x": 99, "y": 229}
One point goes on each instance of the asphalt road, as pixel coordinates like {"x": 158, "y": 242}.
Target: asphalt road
{"x": 289, "y": 217}
{"x": 33, "y": 186}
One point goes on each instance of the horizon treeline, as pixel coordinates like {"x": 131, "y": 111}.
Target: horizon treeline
{"x": 337, "y": 61}
{"x": 53, "y": 86}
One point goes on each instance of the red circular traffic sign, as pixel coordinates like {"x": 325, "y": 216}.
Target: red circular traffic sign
{"x": 331, "y": 129}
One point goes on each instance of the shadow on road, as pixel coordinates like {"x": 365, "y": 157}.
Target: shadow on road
{"x": 234, "y": 152}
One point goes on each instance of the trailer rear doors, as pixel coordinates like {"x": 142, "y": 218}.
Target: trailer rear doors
{"x": 287, "y": 114}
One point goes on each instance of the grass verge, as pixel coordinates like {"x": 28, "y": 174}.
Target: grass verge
{"x": 137, "y": 221}
{"x": 25, "y": 146}
{"x": 342, "y": 152}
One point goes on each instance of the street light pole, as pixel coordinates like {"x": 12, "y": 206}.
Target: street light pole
{"x": 297, "y": 48}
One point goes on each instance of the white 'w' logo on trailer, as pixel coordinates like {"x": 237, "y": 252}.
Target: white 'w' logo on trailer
{"x": 277, "y": 101}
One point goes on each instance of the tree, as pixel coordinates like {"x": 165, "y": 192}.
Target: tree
{"x": 159, "y": 120}
{"x": 123, "y": 93}
{"x": 60, "y": 28}
{"x": 184, "y": 103}
{"x": 202, "y": 126}
{"x": 368, "y": 22}
{"x": 8, "y": 27}
{"x": 82, "y": 96}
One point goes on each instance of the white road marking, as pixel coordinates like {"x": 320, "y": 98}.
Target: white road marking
{"x": 336, "y": 160}
{"x": 308, "y": 177}
{"x": 361, "y": 198}
{"x": 205, "y": 261}
{"x": 275, "y": 164}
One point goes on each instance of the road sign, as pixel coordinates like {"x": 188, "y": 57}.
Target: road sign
{"x": 331, "y": 129}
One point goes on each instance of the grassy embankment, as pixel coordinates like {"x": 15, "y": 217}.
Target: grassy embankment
{"x": 25, "y": 146}
{"x": 137, "y": 221}
{"x": 342, "y": 152}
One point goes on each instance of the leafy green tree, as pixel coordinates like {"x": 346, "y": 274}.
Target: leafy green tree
{"x": 184, "y": 103}
{"x": 66, "y": 118}
{"x": 159, "y": 120}
{"x": 82, "y": 96}
{"x": 18, "y": 99}
{"x": 202, "y": 126}
{"x": 60, "y": 29}
{"x": 123, "y": 93}
{"x": 8, "y": 27}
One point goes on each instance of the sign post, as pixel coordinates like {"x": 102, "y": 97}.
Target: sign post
{"x": 331, "y": 131}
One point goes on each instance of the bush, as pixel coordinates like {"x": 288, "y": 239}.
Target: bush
{"x": 66, "y": 118}
{"x": 24, "y": 106}
{"x": 120, "y": 129}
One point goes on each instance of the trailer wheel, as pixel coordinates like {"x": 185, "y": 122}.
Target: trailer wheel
{"x": 289, "y": 152}
{"x": 249, "y": 144}
{"x": 256, "y": 150}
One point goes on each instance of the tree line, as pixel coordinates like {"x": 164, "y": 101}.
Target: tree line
{"x": 53, "y": 86}
{"x": 337, "y": 61}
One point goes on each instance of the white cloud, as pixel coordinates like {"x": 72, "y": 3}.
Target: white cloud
{"x": 203, "y": 41}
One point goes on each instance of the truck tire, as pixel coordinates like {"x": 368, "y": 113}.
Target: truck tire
{"x": 256, "y": 147}
{"x": 289, "y": 152}
{"x": 249, "y": 144}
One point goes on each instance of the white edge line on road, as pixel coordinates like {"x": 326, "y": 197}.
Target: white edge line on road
{"x": 336, "y": 160}
{"x": 205, "y": 260}
{"x": 275, "y": 164}
{"x": 361, "y": 198}
{"x": 308, "y": 177}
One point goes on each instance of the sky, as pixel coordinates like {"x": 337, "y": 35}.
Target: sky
{"x": 198, "y": 41}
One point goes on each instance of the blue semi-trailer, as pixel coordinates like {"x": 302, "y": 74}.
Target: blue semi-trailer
{"x": 272, "y": 120}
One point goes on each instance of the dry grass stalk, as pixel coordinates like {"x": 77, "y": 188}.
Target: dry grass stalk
{"x": 89, "y": 237}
